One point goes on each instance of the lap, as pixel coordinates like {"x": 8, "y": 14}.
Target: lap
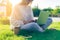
{"x": 30, "y": 26}
{"x": 34, "y": 26}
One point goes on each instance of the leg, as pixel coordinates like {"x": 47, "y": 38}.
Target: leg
{"x": 49, "y": 21}
{"x": 32, "y": 27}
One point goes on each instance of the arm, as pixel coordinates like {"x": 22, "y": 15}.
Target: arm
{"x": 16, "y": 21}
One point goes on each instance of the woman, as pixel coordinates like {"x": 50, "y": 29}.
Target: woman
{"x": 22, "y": 18}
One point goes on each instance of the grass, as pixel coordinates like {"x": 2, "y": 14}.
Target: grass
{"x": 7, "y": 34}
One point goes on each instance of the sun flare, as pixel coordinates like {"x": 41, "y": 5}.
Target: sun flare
{"x": 14, "y": 2}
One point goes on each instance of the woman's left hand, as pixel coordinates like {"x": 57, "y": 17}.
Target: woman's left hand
{"x": 31, "y": 21}
{"x": 25, "y": 22}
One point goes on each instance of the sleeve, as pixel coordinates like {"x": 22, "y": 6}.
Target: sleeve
{"x": 31, "y": 15}
{"x": 15, "y": 19}
{"x": 15, "y": 23}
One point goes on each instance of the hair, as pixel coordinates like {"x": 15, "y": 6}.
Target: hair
{"x": 27, "y": 1}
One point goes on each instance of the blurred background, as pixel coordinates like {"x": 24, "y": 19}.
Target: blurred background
{"x": 53, "y": 6}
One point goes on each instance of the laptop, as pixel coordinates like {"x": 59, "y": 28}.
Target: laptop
{"x": 43, "y": 16}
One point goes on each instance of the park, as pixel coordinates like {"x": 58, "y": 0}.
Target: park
{"x": 51, "y": 33}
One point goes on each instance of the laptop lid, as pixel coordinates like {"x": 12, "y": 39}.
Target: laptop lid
{"x": 43, "y": 16}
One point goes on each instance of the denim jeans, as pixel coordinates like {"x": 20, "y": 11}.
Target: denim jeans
{"x": 33, "y": 26}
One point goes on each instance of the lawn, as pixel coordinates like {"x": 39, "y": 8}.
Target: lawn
{"x": 7, "y": 34}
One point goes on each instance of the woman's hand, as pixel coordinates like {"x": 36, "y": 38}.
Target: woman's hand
{"x": 31, "y": 21}
{"x": 25, "y": 22}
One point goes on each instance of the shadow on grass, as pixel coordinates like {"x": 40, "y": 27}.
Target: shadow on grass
{"x": 47, "y": 35}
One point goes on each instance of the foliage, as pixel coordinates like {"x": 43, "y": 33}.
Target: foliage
{"x": 36, "y": 11}
{"x": 4, "y": 20}
{"x": 53, "y": 12}
{"x": 48, "y": 9}
{"x": 56, "y": 11}
{"x": 1, "y": 14}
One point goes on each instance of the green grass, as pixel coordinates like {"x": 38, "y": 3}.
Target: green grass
{"x": 7, "y": 34}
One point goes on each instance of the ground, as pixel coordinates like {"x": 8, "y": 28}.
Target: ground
{"x": 7, "y": 34}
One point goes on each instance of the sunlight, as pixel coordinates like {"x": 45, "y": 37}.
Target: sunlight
{"x": 14, "y": 2}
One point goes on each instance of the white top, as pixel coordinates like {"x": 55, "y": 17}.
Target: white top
{"x": 19, "y": 14}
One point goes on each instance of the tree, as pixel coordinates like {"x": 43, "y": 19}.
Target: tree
{"x": 36, "y": 11}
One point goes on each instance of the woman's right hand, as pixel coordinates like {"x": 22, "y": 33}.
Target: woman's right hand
{"x": 25, "y": 22}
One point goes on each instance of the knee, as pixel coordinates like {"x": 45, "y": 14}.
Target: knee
{"x": 50, "y": 20}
